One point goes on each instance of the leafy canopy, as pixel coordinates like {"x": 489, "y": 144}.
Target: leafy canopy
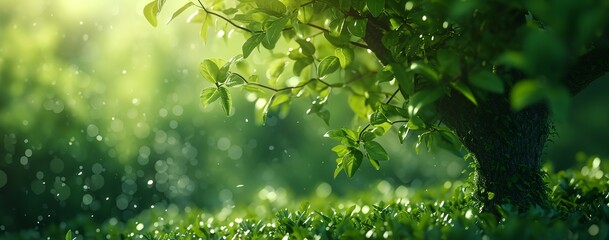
{"x": 395, "y": 59}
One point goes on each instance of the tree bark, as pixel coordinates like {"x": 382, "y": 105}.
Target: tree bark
{"x": 506, "y": 147}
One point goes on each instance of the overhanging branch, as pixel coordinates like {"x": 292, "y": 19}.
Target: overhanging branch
{"x": 588, "y": 68}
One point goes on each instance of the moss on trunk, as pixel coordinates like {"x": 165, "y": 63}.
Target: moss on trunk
{"x": 506, "y": 146}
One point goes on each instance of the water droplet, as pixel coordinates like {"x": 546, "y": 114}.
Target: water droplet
{"x": 87, "y": 199}
{"x": 223, "y": 143}
{"x": 28, "y": 152}
{"x": 139, "y": 226}
{"x": 235, "y": 152}
{"x": 92, "y": 130}
{"x": 23, "y": 160}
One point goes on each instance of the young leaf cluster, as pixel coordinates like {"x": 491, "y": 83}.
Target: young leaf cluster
{"x": 397, "y": 58}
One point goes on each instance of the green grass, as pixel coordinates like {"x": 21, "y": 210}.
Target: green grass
{"x": 580, "y": 197}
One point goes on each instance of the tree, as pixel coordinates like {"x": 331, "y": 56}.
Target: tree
{"x": 485, "y": 76}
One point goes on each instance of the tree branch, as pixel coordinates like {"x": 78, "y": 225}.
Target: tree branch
{"x": 588, "y": 68}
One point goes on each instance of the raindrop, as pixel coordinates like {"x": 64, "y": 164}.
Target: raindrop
{"x": 323, "y": 190}
{"x": 223, "y": 144}
{"x": 97, "y": 168}
{"x": 271, "y": 147}
{"x": 141, "y": 130}
{"x": 116, "y": 125}
{"x": 163, "y": 112}
{"x": 177, "y": 110}
{"x": 235, "y": 152}
{"x": 87, "y": 199}
{"x": 135, "y": 101}
{"x": 409, "y": 5}
{"x": 28, "y": 152}
{"x": 150, "y": 182}
{"x": 23, "y": 160}
{"x": 38, "y": 187}
{"x": 92, "y": 130}
{"x": 139, "y": 226}
{"x": 173, "y": 124}
{"x": 97, "y": 182}
{"x": 122, "y": 202}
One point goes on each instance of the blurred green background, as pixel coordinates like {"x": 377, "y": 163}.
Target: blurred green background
{"x": 100, "y": 118}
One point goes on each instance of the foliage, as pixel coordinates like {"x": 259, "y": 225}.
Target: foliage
{"x": 582, "y": 211}
{"x": 428, "y": 50}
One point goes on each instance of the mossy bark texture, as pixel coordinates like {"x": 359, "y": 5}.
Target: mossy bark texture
{"x": 506, "y": 146}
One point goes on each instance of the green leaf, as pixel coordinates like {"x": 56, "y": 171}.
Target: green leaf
{"x": 376, "y": 151}
{"x": 274, "y": 31}
{"x": 226, "y": 100}
{"x": 487, "y": 81}
{"x": 275, "y": 69}
{"x": 252, "y": 43}
{"x": 204, "y": 29}
{"x": 198, "y": 16}
{"x": 308, "y": 49}
{"x": 352, "y": 160}
{"x": 209, "y": 70}
{"x": 403, "y": 133}
{"x": 340, "y": 150}
{"x": 464, "y": 89}
{"x": 272, "y": 7}
{"x": 375, "y": 163}
{"x": 234, "y": 80}
{"x": 425, "y": 70}
{"x": 151, "y": 10}
{"x": 69, "y": 235}
{"x": 377, "y": 118}
{"x": 405, "y": 79}
{"x": 280, "y": 99}
{"x": 358, "y": 27}
{"x": 526, "y": 93}
{"x": 345, "y": 135}
{"x": 324, "y": 114}
{"x": 344, "y": 55}
{"x": 209, "y": 95}
{"x": 180, "y": 11}
{"x": 337, "y": 134}
{"x": 375, "y": 7}
{"x": 368, "y": 135}
{"x": 423, "y": 98}
{"x": 267, "y": 107}
{"x": 339, "y": 168}
{"x": 327, "y": 65}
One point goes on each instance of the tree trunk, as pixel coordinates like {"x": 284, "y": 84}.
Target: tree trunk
{"x": 506, "y": 146}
